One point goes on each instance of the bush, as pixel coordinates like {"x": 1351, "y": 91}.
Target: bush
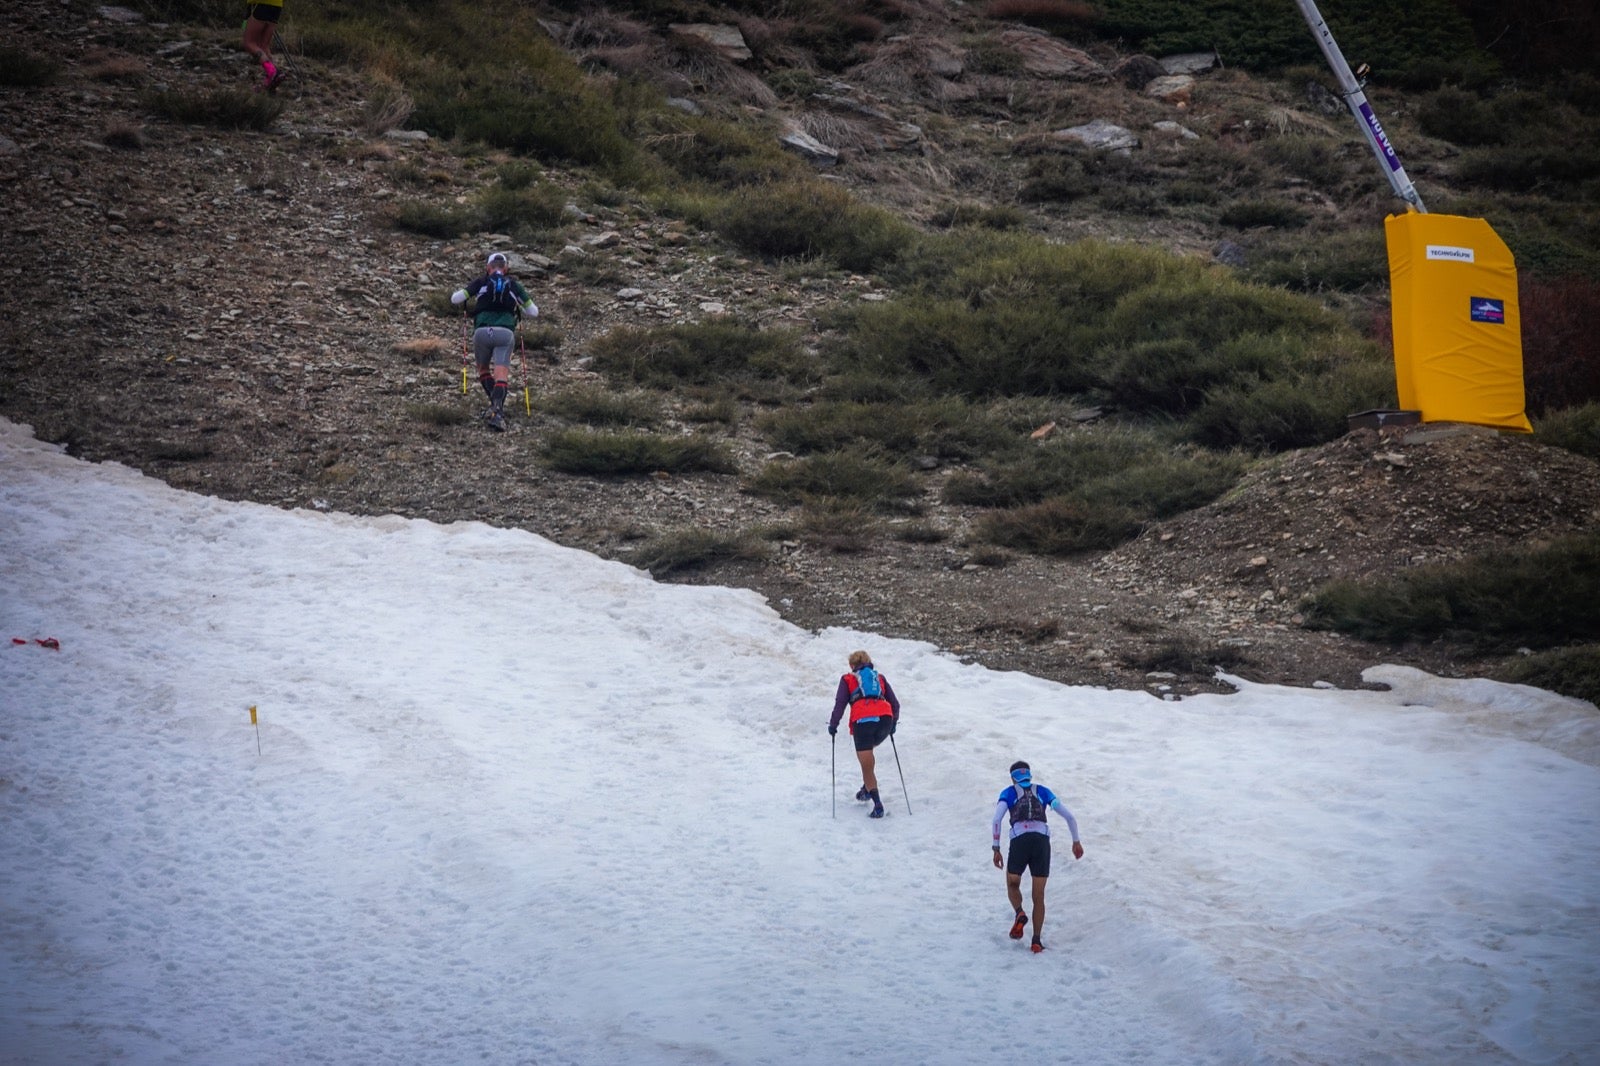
{"x": 1571, "y": 672}
{"x": 228, "y": 109}
{"x": 1538, "y": 598}
{"x": 1312, "y": 158}
{"x": 1000, "y": 217}
{"x": 601, "y": 407}
{"x": 693, "y": 549}
{"x": 1560, "y": 346}
{"x": 1577, "y": 429}
{"x": 704, "y": 353}
{"x": 949, "y": 428}
{"x": 26, "y": 68}
{"x": 811, "y": 218}
{"x": 584, "y": 451}
{"x": 1296, "y": 412}
{"x": 1065, "y": 18}
{"x": 1131, "y": 470}
{"x": 1349, "y": 261}
{"x": 429, "y": 219}
{"x": 699, "y": 148}
{"x": 437, "y": 414}
{"x": 1248, "y": 214}
{"x": 837, "y": 476}
{"x": 1060, "y": 527}
{"x": 1417, "y": 45}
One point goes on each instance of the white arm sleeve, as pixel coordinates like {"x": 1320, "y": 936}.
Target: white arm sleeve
{"x": 1072, "y": 823}
{"x": 1000, "y": 810}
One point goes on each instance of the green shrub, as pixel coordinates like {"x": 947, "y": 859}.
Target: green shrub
{"x": 1415, "y": 45}
{"x": 596, "y": 406}
{"x": 584, "y": 451}
{"x": 1538, "y": 598}
{"x": 920, "y": 533}
{"x": 839, "y": 524}
{"x": 430, "y": 219}
{"x": 1577, "y": 429}
{"x": 721, "y": 409}
{"x": 1573, "y": 672}
{"x": 1555, "y": 165}
{"x": 949, "y": 428}
{"x": 1060, "y": 527}
{"x": 837, "y": 476}
{"x": 1055, "y": 179}
{"x": 1132, "y": 469}
{"x": 703, "y": 353}
{"x": 1248, "y": 214}
{"x": 1001, "y": 216}
{"x": 1348, "y": 261}
{"x": 699, "y": 148}
{"x": 811, "y": 217}
{"x": 1185, "y": 656}
{"x": 520, "y": 210}
{"x": 437, "y": 414}
{"x": 1064, "y": 18}
{"x": 26, "y": 68}
{"x": 228, "y": 109}
{"x": 1298, "y": 411}
{"x": 693, "y": 549}
{"x": 1312, "y": 158}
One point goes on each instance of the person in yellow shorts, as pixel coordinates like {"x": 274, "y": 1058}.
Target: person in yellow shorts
{"x": 259, "y": 28}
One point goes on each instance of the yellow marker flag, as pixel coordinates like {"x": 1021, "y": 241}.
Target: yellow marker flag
{"x": 252, "y": 714}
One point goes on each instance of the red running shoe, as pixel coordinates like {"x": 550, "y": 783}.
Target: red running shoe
{"x": 1036, "y": 947}
{"x": 1018, "y": 925}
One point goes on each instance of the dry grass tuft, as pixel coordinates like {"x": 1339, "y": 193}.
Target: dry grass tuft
{"x": 424, "y": 349}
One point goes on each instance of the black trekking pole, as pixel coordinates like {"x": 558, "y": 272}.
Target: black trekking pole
{"x": 833, "y": 771}
{"x": 902, "y": 772}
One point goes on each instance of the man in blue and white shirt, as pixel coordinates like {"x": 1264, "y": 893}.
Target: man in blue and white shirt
{"x": 1028, "y": 804}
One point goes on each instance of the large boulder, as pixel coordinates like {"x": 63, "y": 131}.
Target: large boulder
{"x": 1100, "y": 134}
{"x": 1046, "y": 57}
{"x": 727, "y": 40}
{"x": 1138, "y": 71}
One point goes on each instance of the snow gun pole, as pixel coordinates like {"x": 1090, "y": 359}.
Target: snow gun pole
{"x": 902, "y": 772}
{"x": 1356, "y": 100}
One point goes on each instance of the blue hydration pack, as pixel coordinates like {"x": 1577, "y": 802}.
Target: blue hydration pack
{"x": 871, "y": 684}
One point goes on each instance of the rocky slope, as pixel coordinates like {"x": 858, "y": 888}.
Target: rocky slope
{"x": 234, "y": 313}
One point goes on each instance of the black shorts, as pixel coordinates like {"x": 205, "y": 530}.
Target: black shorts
{"x": 869, "y": 735}
{"x": 265, "y": 12}
{"x": 1029, "y": 851}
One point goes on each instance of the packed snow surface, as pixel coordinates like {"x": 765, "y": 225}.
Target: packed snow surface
{"x": 516, "y": 804}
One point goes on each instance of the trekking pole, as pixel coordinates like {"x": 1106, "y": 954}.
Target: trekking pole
{"x": 833, "y": 771}
{"x": 465, "y": 357}
{"x": 902, "y": 772}
{"x": 522, "y": 355}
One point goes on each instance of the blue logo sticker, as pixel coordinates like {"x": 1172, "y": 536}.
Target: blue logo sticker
{"x": 1487, "y": 310}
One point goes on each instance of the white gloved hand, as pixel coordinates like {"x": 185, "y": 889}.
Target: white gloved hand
{"x": 530, "y": 309}
{"x": 458, "y": 297}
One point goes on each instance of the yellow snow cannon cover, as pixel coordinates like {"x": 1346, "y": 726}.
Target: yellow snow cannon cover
{"x": 1457, "y": 330}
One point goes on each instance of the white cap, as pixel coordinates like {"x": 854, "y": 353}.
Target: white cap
{"x": 496, "y": 255}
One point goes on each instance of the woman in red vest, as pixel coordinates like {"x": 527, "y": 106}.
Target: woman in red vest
{"x": 874, "y": 711}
